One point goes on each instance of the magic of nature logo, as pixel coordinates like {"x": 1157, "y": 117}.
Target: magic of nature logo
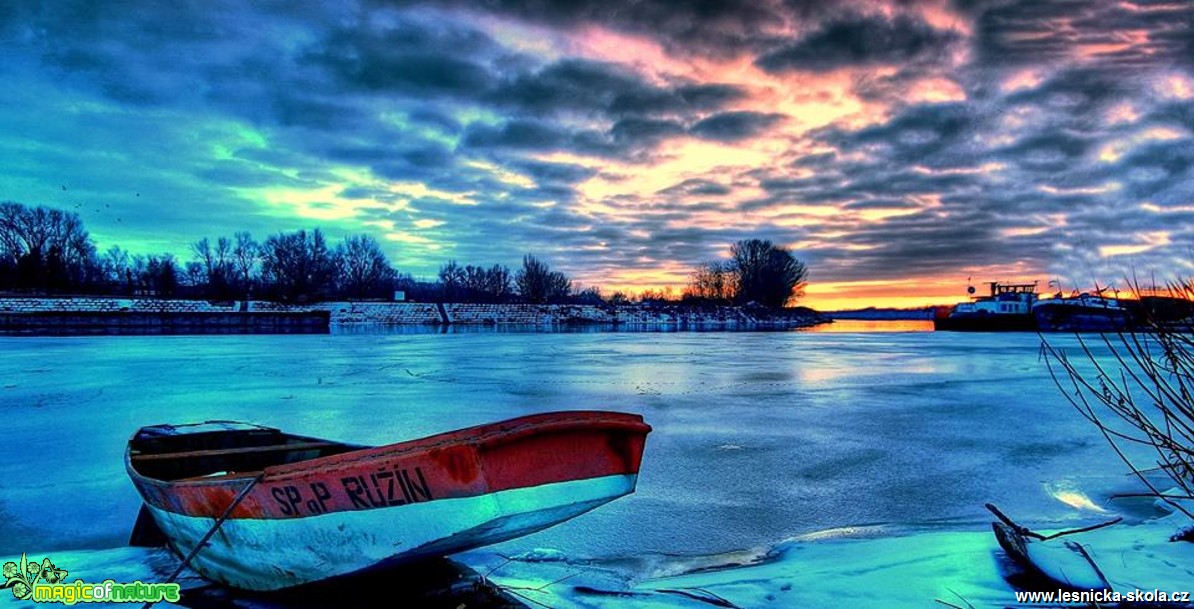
{"x": 44, "y": 582}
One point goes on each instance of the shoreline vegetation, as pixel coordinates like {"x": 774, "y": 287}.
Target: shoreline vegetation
{"x": 47, "y": 252}
{"x": 53, "y": 279}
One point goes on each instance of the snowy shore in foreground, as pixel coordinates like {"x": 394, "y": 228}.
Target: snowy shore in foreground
{"x": 863, "y": 566}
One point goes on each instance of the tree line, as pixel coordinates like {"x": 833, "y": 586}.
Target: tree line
{"x": 46, "y": 250}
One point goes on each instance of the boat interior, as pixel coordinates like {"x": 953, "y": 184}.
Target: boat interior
{"x": 221, "y": 449}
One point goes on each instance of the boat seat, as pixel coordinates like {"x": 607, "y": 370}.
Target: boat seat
{"x": 220, "y": 452}
{"x": 219, "y": 476}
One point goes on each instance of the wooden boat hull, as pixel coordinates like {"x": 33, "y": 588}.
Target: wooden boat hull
{"x": 270, "y": 554}
{"x": 366, "y": 508}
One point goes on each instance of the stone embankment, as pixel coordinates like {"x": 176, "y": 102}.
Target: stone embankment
{"x": 410, "y": 313}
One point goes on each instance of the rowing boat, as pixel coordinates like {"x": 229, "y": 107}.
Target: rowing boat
{"x": 274, "y": 510}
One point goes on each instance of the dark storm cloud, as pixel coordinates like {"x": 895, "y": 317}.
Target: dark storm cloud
{"x": 572, "y": 85}
{"x": 734, "y": 126}
{"x": 882, "y": 204}
{"x": 931, "y": 135}
{"x": 697, "y": 187}
{"x": 428, "y": 155}
{"x": 1049, "y": 153}
{"x": 927, "y": 150}
{"x": 859, "y": 41}
{"x": 604, "y": 90}
{"x": 410, "y": 74}
{"x": 684, "y": 98}
{"x": 197, "y": 103}
{"x": 532, "y": 136}
{"x": 408, "y": 57}
{"x": 710, "y": 27}
{"x": 559, "y": 173}
{"x": 1030, "y": 32}
{"x": 1026, "y": 31}
{"x": 915, "y": 245}
{"x": 418, "y": 160}
{"x": 1080, "y": 92}
{"x": 635, "y": 132}
{"x": 816, "y": 161}
{"x": 521, "y": 134}
{"x": 1051, "y": 165}
{"x": 1159, "y": 171}
{"x": 708, "y": 96}
{"x": 297, "y": 109}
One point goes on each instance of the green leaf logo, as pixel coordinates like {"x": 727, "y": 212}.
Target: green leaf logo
{"x": 21, "y": 577}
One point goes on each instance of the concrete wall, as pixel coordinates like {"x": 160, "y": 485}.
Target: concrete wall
{"x": 72, "y": 323}
{"x": 433, "y": 314}
{"x": 526, "y": 314}
{"x": 90, "y": 305}
{"x": 363, "y": 312}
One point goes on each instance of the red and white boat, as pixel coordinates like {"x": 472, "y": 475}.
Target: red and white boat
{"x": 298, "y": 509}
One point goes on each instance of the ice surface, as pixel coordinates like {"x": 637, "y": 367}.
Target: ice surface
{"x": 759, "y": 438}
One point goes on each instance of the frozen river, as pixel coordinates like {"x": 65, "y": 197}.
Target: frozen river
{"x": 758, "y": 436}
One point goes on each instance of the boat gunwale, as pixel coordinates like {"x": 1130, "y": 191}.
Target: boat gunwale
{"x": 479, "y": 437}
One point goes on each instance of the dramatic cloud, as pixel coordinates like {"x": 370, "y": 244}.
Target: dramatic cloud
{"x": 898, "y": 144}
{"x": 860, "y": 41}
{"x": 733, "y": 126}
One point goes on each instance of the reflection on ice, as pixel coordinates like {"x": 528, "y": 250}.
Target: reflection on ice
{"x": 1067, "y": 493}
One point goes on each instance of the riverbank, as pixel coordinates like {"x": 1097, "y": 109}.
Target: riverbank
{"x": 86, "y": 315}
{"x": 873, "y": 566}
{"x": 874, "y": 314}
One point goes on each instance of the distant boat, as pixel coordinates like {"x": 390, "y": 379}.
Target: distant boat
{"x": 1084, "y": 312}
{"x": 1008, "y": 307}
{"x": 287, "y": 510}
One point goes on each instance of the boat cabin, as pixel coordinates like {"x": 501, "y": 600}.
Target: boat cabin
{"x": 1004, "y": 299}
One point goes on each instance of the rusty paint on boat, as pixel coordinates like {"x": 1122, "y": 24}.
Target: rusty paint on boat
{"x": 320, "y": 509}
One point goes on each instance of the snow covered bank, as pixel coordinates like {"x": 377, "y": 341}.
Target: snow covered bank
{"x": 846, "y": 568}
{"x": 853, "y": 567}
{"x": 416, "y": 313}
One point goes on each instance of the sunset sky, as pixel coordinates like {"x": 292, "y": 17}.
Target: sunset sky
{"x": 898, "y": 148}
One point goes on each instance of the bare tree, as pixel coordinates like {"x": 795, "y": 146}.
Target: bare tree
{"x": 498, "y": 283}
{"x": 194, "y": 274}
{"x": 714, "y": 282}
{"x": 217, "y": 262}
{"x": 299, "y": 265}
{"x": 590, "y": 296}
{"x": 363, "y": 269}
{"x": 161, "y": 275}
{"x": 40, "y": 246}
{"x": 537, "y": 283}
{"x": 451, "y": 280}
{"x": 484, "y": 284}
{"x": 115, "y": 266}
{"x": 767, "y": 274}
{"x": 245, "y": 254}
{"x": 1140, "y": 396}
